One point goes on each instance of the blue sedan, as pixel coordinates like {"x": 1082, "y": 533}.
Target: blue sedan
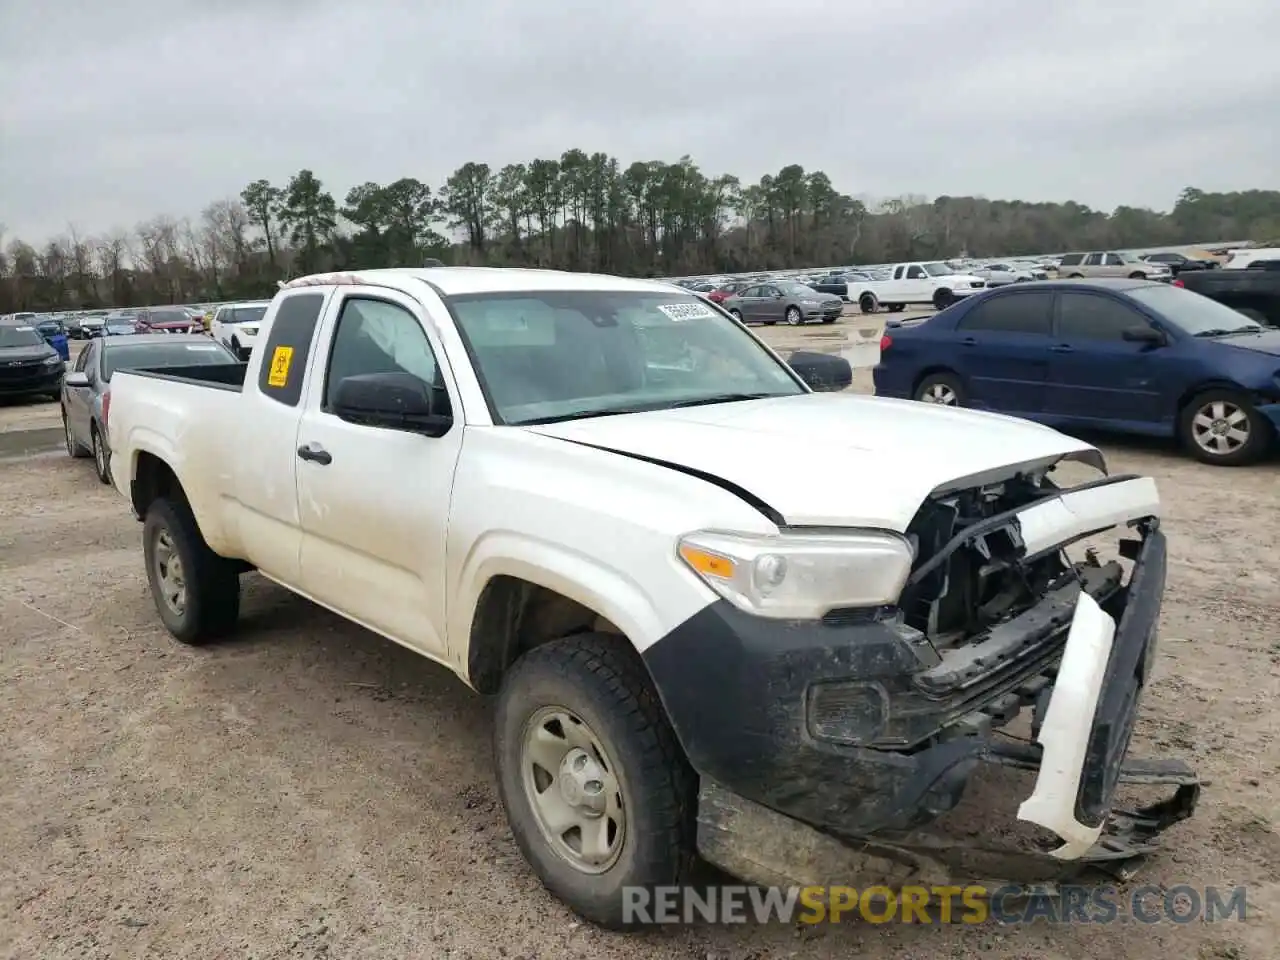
{"x": 1125, "y": 355}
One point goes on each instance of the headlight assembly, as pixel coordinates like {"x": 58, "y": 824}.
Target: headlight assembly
{"x": 796, "y": 576}
{"x": 52, "y": 360}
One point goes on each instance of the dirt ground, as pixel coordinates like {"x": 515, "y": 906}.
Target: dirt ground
{"x": 312, "y": 790}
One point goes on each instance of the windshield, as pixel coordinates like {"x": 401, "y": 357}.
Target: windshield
{"x": 544, "y": 356}
{"x": 937, "y": 269}
{"x": 129, "y": 356}
{"x": 1192, "y": 313}
{"x": 169, "y": 316}
{"x": 244, "y": 315}
{"x": 20, "y": 337}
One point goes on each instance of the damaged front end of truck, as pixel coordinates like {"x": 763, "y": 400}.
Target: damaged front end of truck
{"x": 869, "y": 733}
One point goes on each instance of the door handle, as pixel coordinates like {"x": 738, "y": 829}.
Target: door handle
{"x": 1063, "y": 348}
{"x": 314, "y": 453}
{"x": 968, "y": 342}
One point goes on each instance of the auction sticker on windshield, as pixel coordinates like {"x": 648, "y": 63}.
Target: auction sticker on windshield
{"x": 686, "y": 311}
{"x": 280, "y": 362}
{"x": 210, "y": 347}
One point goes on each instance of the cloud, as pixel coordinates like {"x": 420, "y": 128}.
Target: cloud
{"x": 115, "y": 113}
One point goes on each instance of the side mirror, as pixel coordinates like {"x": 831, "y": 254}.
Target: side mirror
{"x": 1141, "y": 333}
{"x": 821, "y": 372}
{"x": 76, "y": 380}
{"x": 395, "y": 401}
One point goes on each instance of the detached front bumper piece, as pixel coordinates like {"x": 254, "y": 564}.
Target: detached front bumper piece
{"x": 818, "y": 742}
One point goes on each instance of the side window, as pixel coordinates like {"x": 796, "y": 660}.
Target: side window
{"x": 1093, "y": 260}
{"x": 1114, "y": 260}
{"x": 1084, "y": 316}
{"x": 897, "y": 273}
{"x": 1011, "y": 313}
{"x": 285, "y": 357}
{"x": 915, "y": 273}
{"x": 83, "y": 360}
{"x": 749, "y": 292}
{"x": 1071, "y": 260}
{"x": 769, "y": 291}
{"x": 375, "y": 336}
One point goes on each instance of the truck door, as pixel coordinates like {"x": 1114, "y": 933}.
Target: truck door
{"x": 264, "y": 473}
{"x": 374, "y": 501}
{"x": 918, "y": 286}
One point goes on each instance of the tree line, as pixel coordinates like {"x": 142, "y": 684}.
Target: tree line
{"x": 579, "y": 212}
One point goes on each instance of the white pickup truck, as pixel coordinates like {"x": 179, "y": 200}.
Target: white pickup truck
{"x": 721, "y": 614}
{"x": 916, "y": 284}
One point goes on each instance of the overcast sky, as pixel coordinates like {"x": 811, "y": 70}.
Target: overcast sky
{"x": 115, "y": 112}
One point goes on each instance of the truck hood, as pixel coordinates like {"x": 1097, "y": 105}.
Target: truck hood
{"x": 838, "y": 460}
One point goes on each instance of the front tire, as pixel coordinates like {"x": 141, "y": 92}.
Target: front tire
{"x": 75, "y": 449}
{"x": 101, "y": 456}
{"x": 794, "y": 316}
{"x": 737, "y": 315}
{"x": 595, "y": 786}
{"x": 1222, "y": 427}
{"x": 196, "y": 592}
{"x": 943, "y": 297}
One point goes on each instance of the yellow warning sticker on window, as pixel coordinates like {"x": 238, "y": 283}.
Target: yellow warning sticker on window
{"x": 280, "y": 361}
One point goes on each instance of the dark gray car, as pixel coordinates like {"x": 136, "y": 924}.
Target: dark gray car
{"x": 86, "y": 388}
{"x": 785, "y": 300}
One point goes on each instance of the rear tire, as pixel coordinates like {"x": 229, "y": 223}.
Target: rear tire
{"x": 1222, "y": 427}
{"x": 585, "y": 703}
{"x": 867, "y": 303}
{"x": 198, "y": 599}
{"x": 943, "y": 389}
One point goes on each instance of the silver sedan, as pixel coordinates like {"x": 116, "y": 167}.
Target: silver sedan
{"x": 86, "y": 390}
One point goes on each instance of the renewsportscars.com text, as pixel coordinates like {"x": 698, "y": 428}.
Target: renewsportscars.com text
{"x": 973, "y": 904}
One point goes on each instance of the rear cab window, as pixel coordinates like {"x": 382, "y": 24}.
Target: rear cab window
{"x": 288, "y": 348}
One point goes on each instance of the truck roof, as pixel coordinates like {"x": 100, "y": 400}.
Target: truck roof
{"x": 454, "y": 281}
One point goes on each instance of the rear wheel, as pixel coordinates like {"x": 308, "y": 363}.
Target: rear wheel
{"x": 596, "y": 789}
{"x": 196, "y": 592}
{"x": 1224, "y": 428}
{"x": 944, "y": 389}
{"x": 867, "y": 303}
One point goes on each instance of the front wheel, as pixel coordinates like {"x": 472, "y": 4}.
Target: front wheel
{"x": 794, "y": 316}
{"x": 943, "y": 297}
{"x": 74, "y": 447}
{"x": 736, "y": 314}
{"x": 196, "y": 592}
{"x": 101, "y": 456}
{"x": 1137, "y": 275}
{"x": 1224, "y": 428}
{"x": 596, "y": 789}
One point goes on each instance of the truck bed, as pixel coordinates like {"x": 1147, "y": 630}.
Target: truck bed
{"x": 1256, "y": 291}
{"x": 219, "y": 376}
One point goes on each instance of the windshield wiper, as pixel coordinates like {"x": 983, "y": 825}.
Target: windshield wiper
{"x": 649, "y": 407}
{"x": 1227, "y": 333}
{"x": 720, "y": 398}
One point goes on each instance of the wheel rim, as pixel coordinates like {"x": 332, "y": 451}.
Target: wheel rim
{"x": 1220, "y": 428}
{"x": 939, "y": 393}
{"x": 573, "y": 789}
{"x": 170, "y": 577}
{"x": 793, "y": 317}
{"x": 737, "y": 315}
